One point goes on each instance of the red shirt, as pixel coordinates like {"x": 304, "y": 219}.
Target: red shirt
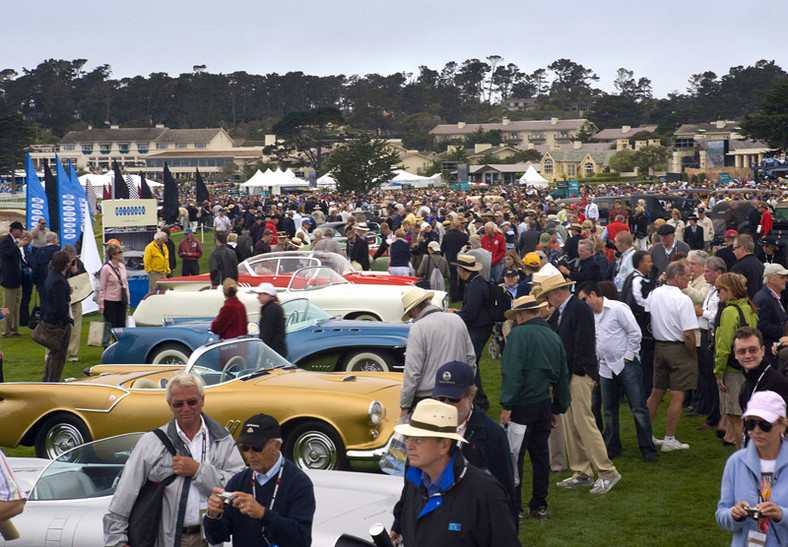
{"x": 231, "y": 321}
{"x": 496, "y": 245}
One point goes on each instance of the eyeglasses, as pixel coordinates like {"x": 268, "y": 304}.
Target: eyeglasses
{"x": 190, "y": 402}
{"x": 752, "y": 350}
{"x": 448, "y": 400}
{"x": 765, "y": 426}
{"x": 247, "y": 448}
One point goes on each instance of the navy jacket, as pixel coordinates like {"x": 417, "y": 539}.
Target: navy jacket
{"x": 475, "y": 303}
{"x": 272, "y": 328}
{"x": 578, "y": 333}
{"x": 771, "y": 317}
{"x": 750, "y": 267}
{"x": 10, "y": 263}
{"x": 488, "y": 449}
{"x": 287, "y": 523}
{"x": 56, "y": 299}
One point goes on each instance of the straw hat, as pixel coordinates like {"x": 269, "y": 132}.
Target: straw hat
{"x": 432, "y": 418}
{"x": 413, "y": 298}
{"x": 552, "y": 283}
{"x": 467, "y": 262}
{"x": 524, "y": 303}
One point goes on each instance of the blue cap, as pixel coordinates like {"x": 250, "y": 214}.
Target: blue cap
{"x": 452, "y": 379}
{"x": 187, "y": 230}
{"x": 431, "y": 219}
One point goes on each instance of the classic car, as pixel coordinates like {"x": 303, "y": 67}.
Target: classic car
{"x": 69, "y": 496}
{"x": 315, "y": 341}
{"x": 320, "y": 285}
{"x": 277, "y": 269}
{"x": 329, "y": 419}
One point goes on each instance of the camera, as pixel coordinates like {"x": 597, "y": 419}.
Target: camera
{"x": 226, "y": 497}
{"x": 562, "y": 260}
{"x": 754, "y": 513}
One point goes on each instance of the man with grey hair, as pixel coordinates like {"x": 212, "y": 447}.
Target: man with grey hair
{"x": 747, "y": 264}
{"x": 673, "y": 322}
{"x": 708, "y": 395}
{"x": 771, "y": 313}
{"x": 328, "y": 243}
{"x": 483, "y": 257}
{"x": 156, "y": 260}
{"x": 205, "y": 458}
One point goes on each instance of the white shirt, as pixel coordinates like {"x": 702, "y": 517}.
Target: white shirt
{"x": 592, "y": 211}
{"x": 617, "y": 337}
{"x": 549, "y": 270}
{"x": 672, "y": 313}
{"x": 195, "y": 501}
{"x": 710, "y": 306}
{"x": 637, "y": 289}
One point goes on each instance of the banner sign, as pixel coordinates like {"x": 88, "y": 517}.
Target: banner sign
{"x": 36, "y": 196}
{"x": 68, "y": 206}
{"x": 129, "y": 213}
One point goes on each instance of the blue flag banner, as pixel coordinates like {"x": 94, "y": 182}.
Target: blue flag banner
{"x": 36, "y": 196}
{"x": 82, "y": 197}
{"x": 68, "y": 207}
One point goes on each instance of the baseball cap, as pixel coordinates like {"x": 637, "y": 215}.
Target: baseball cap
{"x": 731, "y": 233}
{"x": 258, "y": 430}
{"x": 765, "y": 404}
{"x": 187, "y": 230}
{"x": 264, "y": 288}
{"x": 532, "y": 260}
{"x": 774, "y": 269}
{"x": 452, "y": 379}
{"x": 510, "y": 273}
{"x": 769, "y": 241}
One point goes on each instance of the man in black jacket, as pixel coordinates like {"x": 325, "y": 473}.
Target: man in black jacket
{"x": 771, "y": 314}
{"x": 693, "y": 234}
{"x": 588, "y": 268}
{"x": 357, "y": 246}
{"x": 222, "y": 262}
{"x": 465, "y": 507}
{"x": 475, "y": 313}
{"x": 726, "y": 252}
{"x": 272, "y": 318}
{"x": 11, "y": 278}
{"x": 573, "y": 320}
{"x": 452, "y": 243}
{"x": 486, "y": 445}
{"x": 759, "y": 375}
{"x": 747, "y": 264}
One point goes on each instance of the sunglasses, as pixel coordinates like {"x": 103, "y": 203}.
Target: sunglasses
{"x": 752, "y": 350}
{"x": 448, "y": 400}
{"x": 765, "y": 426}
{"x": 247, "y": 448}
{"x": 190, "y": 402}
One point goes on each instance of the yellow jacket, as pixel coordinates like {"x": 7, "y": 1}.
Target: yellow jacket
{"x": 154, "y": 260}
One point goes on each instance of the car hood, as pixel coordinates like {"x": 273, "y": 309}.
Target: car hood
{"x": 358, "y": 383}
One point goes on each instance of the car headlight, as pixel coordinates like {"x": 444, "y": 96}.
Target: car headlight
{"x": 376, "y": 412}
{"x": 253, "y": 328}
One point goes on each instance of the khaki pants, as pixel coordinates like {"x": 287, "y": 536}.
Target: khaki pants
{"x": 153, "y": 278}
{"x": 584, "y": 442}
{"x": 11, "y": 300}
{"x": 76, "y": 331}
{"x": 557, "y": 447}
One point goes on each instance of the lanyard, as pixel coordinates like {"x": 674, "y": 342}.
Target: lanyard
{"x": 276, "y": 487}
{"x": 758, "y": 381}
{"x": 186, "y": 446}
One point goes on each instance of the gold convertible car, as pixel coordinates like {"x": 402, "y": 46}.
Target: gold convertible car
{"x": 329, "y": 419}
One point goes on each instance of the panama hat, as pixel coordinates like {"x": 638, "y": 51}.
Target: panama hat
{"x": 413, "y": 298}
{"x": 432, "y": 418}
{"x": 552, "y": 283}
{"x": 467, "y": 262}
{"x": 524, "y": 303}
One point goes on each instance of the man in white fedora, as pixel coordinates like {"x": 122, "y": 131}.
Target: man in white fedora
{"x": 435, "y": 338}
{"x": 573, "y": 321}
{"x": 447, "y": 501}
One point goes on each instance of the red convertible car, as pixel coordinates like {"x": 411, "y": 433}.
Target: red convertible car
{"x": 277, "y": 268}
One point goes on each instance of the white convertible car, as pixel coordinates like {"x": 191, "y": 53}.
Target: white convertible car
{"x": 69, "y": 496}
{"x": 320, "y": 285}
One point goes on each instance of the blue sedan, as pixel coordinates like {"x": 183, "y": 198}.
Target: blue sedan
{"x": 315, "y": 341}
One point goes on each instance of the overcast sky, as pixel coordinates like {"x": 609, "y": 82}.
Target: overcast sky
{"x": 665, "y": 41}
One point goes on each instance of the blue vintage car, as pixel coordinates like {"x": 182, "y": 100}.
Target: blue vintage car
{"x": 315, "y": 341}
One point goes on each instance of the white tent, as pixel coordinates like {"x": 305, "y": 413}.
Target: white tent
{"x": 258, "y": 180}
{"x": 100, "y": 181}
{"x": 327, "y": 181}
{"x": 274, "y": 181}
{"x": 532, "y": 178}
{"x": 416, "y": 181}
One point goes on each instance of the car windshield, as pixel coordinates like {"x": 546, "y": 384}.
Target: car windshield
{"x": 234, "y": 359}
{"x": 289, "y": 262}
{"x": 88, "y": 471}
{"x": 309, "y": 279}
{"x": 301, "y": 313}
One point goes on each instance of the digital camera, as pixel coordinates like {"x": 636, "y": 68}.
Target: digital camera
{"x": 226, "y": 497}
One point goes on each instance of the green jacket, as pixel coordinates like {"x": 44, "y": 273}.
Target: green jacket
{"x": 723, "y": 336}
{"x": 534, "y": 360}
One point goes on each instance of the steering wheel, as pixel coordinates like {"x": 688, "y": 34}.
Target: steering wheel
{"x": 293, "y": 319}
{"x": 313, "y": 282}
{"x": 233, "y": 367}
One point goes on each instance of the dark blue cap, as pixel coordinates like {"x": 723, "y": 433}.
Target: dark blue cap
{"x": 452, "y": 379}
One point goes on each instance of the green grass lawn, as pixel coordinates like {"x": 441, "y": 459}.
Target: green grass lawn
{"x": 671, "y": 502}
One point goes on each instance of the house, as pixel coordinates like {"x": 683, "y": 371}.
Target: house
{"x": 515, "y": 103}
{"x": 715, "y": 146}
{"x": 412, "y": 161}
{"x": 497, "y": 173}
{"x": 622, "y": 137}
{"x": 146, "y": 149}
{"x": 488, "y": 150}
{"x": 525, "y": 134}
{"x": 579, "y": 161}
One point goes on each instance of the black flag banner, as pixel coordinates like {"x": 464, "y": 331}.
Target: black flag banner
{"x": 120, "y": 187}
{"x": 50, "y": 184}
{"x": 170, "y": 206}
{"x": 202, "y": 191}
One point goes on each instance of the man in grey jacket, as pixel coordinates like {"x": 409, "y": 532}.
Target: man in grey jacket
{"x": 206, "y": 458}
{"x": 435, "y": 338}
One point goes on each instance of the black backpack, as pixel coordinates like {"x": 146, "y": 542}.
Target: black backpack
{"x": 500, "y": 301}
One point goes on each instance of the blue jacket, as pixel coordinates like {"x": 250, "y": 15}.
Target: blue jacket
{"x": 288, "y": 523}
{"x": 771, "y": 317}
{"x": 475, "y": 303}
{"x": 739, "y": 483}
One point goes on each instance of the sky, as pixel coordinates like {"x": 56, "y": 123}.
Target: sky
{"x": 666, "y": 41}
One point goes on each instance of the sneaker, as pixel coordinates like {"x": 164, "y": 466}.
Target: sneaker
{"x": 539, "y": 514}
{"x": 657, "y": 442}
{"x": 575, "y": 482}
{"x": 602, "y": 486}
{"x": 669, "y": 446}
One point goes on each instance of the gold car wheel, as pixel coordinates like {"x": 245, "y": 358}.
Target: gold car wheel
{"x": 315, "y": 446}
{"x": 60, "y": 433}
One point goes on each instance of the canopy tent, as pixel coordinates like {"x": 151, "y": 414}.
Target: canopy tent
{"x": 274, "y": 181}
{"x": 99, "y": 181}
{"x": 327, "y": 181}
{"x": 532, "y": 178}
{"x": 416, "y": 181}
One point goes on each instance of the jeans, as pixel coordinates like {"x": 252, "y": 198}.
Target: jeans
{"x": 496, "y": 272}
{"x": 536, "y": 417}
{"x": 630, "y": 382}
{"x": 190, "y": 267}
{"x": 479, "y": 337}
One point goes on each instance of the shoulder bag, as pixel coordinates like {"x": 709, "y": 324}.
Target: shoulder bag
{"x": 50, "y": 336}
{"x": 145, "y": 516}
